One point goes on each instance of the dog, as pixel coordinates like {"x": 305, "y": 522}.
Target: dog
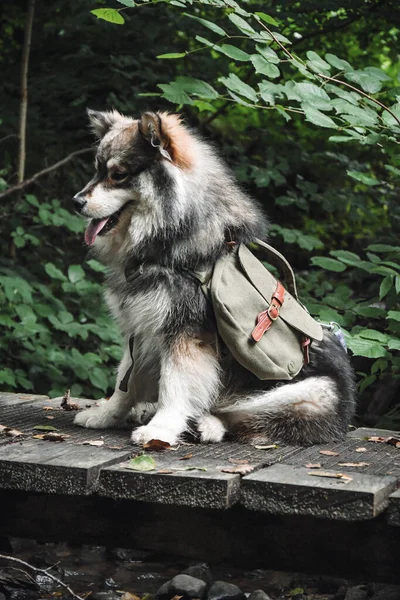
{"x": 161, "y": 205}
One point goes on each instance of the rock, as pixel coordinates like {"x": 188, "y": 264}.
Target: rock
{"x": 258, "y": 595}
{"x": 358, "y": 592}
{"x": 110, "y": 595}
{"x": 2, "y": 596}
{"x": 199, "y": 572}
{"x": 389, "y": 592}
{"x": 185, "y": 585}
{"x": 330, "y": 585}
{"x": 225, "y": 591}
{"x": 163, "y": 593}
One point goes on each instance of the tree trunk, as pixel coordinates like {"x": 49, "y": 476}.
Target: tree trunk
{"x": 24, "y": 90}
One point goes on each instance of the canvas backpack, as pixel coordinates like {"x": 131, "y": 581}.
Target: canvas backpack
{"x": 263, "y": 324}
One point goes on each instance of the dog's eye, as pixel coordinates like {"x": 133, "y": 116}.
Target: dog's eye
{"x": 119, "y": 175}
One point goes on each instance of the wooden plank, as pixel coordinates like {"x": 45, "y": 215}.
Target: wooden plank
{"x": 54, "y": 467}
{"x": 363, "y": 550}
{"x": 393, "y": 512}
{"x": 283, "y": 489}
{"x": 211, "y": 489}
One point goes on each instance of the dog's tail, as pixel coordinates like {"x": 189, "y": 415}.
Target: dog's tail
{"x": 305, "y": 412}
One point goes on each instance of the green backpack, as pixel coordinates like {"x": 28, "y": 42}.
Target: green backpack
{"x": 263, "y": 325}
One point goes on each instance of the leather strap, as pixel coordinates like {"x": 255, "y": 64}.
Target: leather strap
{"x": 267, "y": 317}
{"x": 280, "y": 262}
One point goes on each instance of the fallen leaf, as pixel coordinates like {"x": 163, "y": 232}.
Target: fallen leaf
{"x": 51, "y": 436}
{"x": 295, "y": 592}
{"x": 49, "y": 408}
{"x": 361, "y": 450}
{"x": 129, "y": 596}
{"x": 270, "y": 447}
{"x": 3, "y": 427}
{"x": 392, "y": 441}
{"x": 186, "y": 457}
{"x": 144, "y": 462}
{"x": 50, "y": 417}
{"x": 93, "y": 443}
{"x": 241, "y": 469}
{"x": 147, "y": 597}
{"x": 10, "y": 432}
{"x": 165, "y": 471}
{"x": 157, "y": 445}
{"x": 329, "y": 453}
{"x": 177, "y": 598}
{"x": 45, "y": 428}
{"x": 192, "y": 469}
{"x": 238, "y": 461}
{"x": 66, "y": 403}
{"x": 350, "y": 464}
{"x": 115, "y": 447}
{"x": 313, "y": 465}
{"x": 341, "y": 476}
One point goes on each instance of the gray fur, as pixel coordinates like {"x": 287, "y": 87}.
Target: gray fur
{"x": 176, "y": 210}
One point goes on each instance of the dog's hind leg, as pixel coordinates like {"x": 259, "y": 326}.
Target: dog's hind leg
{"x": 309, "y": 411}
{"x": 116, "y": 411}
{"x": 188, "y": 387}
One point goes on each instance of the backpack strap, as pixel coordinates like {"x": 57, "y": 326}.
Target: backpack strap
{"x": 280, "y": 262}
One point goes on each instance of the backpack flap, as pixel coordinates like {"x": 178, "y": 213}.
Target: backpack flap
{"x": 292, "y": 312}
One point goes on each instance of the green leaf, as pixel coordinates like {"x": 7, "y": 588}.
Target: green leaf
{"x": 172, "y": 55}
{"x": 129, "y": 3}
{"x": 373, "y": 334}
{"x": 109, "y": 14}
{"x": 364, "y": 347}
{"x": 209, "y": 24}
{"x": 98, "y": 378}
{"x": 269, "y": 54}
{"x": 330, "y": 264}
{"x": 317, "y": 63}
{"x": 75, "y": 273}
{"x": 197, "y": 87}
{"x": 142, "y": 463}
{"x": 366, "y": 179}
{"x": 394, "y": 315}
{"x": 264, "y": 67}
{"x": 340, "y": 64}
{"x": 313, "y": 115}
{"x": 233, "y": 52}
{"x": 368, "y": 82}
{"x": 174, "y": 93}
{"x": 394, "y": 343}
{"x": 96, "y": 265}
{"x": 309, "y": 92}
{"x": 386, "y": 286}
{"x": 384, "y": 248}
{"x": 348, "y": 258}
{"x": 241, "y": 24}
{"x": 238, "y": 86}
{"x": 267, "y": 19}
{"x": 53, "y": 272}
{"x": 45, "y": 428}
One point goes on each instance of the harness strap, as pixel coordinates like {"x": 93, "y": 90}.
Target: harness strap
{"x": 123, "y": 386}
{"x": 280, "y": 262}
{"x": 267, "y": 317}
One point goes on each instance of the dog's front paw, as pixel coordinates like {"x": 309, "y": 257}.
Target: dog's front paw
{"x": 144, "y": 434}
{"x": 100, "y": 418}
{"x": 211, "y": 429}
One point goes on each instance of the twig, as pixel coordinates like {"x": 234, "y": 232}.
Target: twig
{"x": 60, "y": 163}
{"x": 42, "y": 572}
{"x": 7, "y": 137}
{"x": 24, "y": 90}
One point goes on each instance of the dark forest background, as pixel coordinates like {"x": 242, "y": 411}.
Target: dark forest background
{"x": 291, "y": 92}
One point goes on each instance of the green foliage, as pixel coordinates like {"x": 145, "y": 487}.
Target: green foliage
{"x": 293, "y": 98}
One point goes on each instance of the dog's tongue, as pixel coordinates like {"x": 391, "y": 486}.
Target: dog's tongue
{"x": 94, "y": 227}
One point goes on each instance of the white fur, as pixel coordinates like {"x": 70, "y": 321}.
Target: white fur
{"x": 211, "y": 429}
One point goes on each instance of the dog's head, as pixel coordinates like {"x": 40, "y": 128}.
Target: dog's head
{"x": 128, "y": 148}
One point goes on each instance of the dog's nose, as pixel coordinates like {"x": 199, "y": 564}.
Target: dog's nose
{"x": 79, "y": 201}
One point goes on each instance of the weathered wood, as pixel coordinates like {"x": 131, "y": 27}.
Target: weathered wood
{"x": 393, "y": 513}
{"x": 194, "y": 488}
{"x": 53, "y": 467}
{"x": 283, "y": 489}
{"x": 366, "y": 550}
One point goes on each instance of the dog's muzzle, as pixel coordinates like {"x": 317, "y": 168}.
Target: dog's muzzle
{"x": 79, "y": 202}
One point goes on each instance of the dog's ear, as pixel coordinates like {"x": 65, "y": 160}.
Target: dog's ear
{"x": 101, "y": 122}
{"x": 151, "y": 129}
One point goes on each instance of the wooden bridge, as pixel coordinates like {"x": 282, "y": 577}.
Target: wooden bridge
{"x": 332, "y": 509}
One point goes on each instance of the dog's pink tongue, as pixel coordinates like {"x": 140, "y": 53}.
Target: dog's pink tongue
{"x": 94, "y": 227}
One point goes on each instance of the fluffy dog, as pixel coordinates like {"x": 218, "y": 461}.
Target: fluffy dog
{"x": 161, "y": 205}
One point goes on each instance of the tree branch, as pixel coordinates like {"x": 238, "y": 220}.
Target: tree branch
{"x": 57, "y": 165}
{"x": 23, "y": 109}
{"x": 44, "y": 572}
